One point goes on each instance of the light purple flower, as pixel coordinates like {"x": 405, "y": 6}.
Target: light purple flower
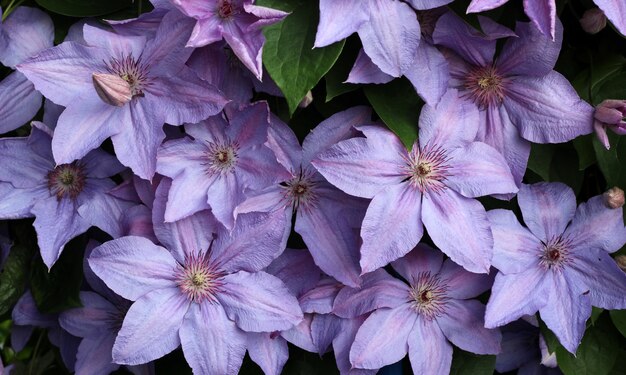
{"x": 433, "y": 184}
{"x": 198, "y": 279}
{"x": 239, "y": 22}
{"x": 26, "y": 32}
{"x": 325, "y": 217}
{"x": 122, "y": 87}
{"x": 65, "y": 199}
{"x": 559, "y": 265}
{"x": 615, "y": 11}
{"x": 519, "y": 95}
{"x": 421, "y": 317}
{"x": 225, "y": 156}
{"x": 610, "y": 114}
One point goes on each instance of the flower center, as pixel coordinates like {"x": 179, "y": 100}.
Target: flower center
{"x": 226, "y": 9}
{"x": 485, "y": 86}
{"x": 300, "y": 190}
{"x": 67, "y": 180}
{"x": 554, "y": 254}
{"x": 428, "y": 296}
{"x": 221, "y": 158}
{"x": 427, "y": 168}
{"x": 198, "y": 279}
{"x": 132, "y": 71}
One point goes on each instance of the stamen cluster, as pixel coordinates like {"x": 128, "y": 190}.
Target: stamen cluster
{"x": 133, "y": 71}
{"x": 555, "y": 253}
{"x": 198, "y": 279}
{"x": 221, "y": 157}
{"x": 428, "y": 296}
{"x": 428, "y": 168}
{"x": 485, "y": 86}
{"x": 67, "y": 180}
{"x": 226, "y": 9}
{"x": 300, "y": 190}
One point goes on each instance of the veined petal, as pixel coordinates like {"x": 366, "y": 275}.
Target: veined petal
{"x": 300, "y": 334}
{"x": 429, "y": 73}
{"x": 22, "y": 166}
{"x": 167, "y": 51}
{"x": 543, "y": 15}
{"x": 462, "y": 284}
{"x": 20, "y": 101}
{"x": 595, "y": 225}
{"x": 94, "y": 355}
{"x": 17, "y": 203}
{"x": 428, "y": 4}
{"x": 477, "y": 6}
{"x": 324, "y": 329}
{"x": 599, "y": 273}
{"x": 92, "y": 319}
{"x": 338, "y": 20}
{"x": 429, "y": 351}
{"x": 269, "y": 352}
{"x": 115, "y": 45}
{"x": 206, "y": 31}
{"x": 365, "y": 71}
{"x": 463, "y": 324}
{"x": 247, "y": 44}
{"x": 28, "y": 31}
{"x": 422, "y": 258}
{"x": 515, "y": 248}
{"x": 454, "y": 33}
{"x": 547, "y": 208}
{"x": 615, "y": 12}
{"x": 101, "y": 209}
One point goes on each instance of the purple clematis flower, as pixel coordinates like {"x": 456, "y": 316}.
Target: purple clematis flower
{"x": 433, "y": 184}
{"x": 65, "y": 199}
{"x": 519, "y": 96}
{"x": 211, "y": 170}
{"x": 422, "y": 317}
{"x": 326, "y": 218}
{"x": 200, "y": 279}
{"x": 26, "y": 32}
{"x": 559, "y": 265}
{"x": 239, "y": 22}
{"x": 122, "y": 87}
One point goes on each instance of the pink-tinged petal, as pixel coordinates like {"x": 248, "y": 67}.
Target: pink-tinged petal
{"x": 320, "y": 299}
{"x": 515, "y": 248}
{"x": 365, "y": 71}
{"x": 454, "y": 33}
{"x": 22, "y": 166}
{"x": 383, "y": 338}
{"x": 338, "y": 20}
{"x": 300, "y": 335}
{"x": 334, "y": 129}
{"x": 605, "y": 281}
{"x": 547, "y": 109}
{"x": 246, "y": 44}
{"x": 568, "y": 308}
{"x": 269, "y": 352}
{"x": 364, "y": 166}
{"x": 268, "y": 16}
{"x": 595, "y": 225}
{"x": 462, "y": 284}
{"x": 249, "y": 124}
{"x": 478, "y": 6}
{"x": 133, "y": 266}
{"x": 615, "y": 11}
{"x": 28, "y": 31}
{"x": 463, "y": 324}
{"x": 17, "y": 203}
{"x": 253, "y": 243}
{"x": 212, "y": 344}
{"x": 378, "y": 290}
{"x": 259, "y": 302}
{"x": 500, "y": 133}
{"x": 63, "y": 73}
{"x": 453, "y": 122}
{"x": 516, "y": 295}
{"x": 113, "y": 44}
{"x": 137, "y": 141}
{"x": 90, "y": 320}
{"x": 223, "y": 195}
{"x": 392, "y": 226}
{"x": 56, "y": 223}
{"x": 422, "y": 259}
{"x": 543, "y": 15}
{"x": 547, "y": 208}
{"x": 206, "y": 31}
{"x": 391, "y": 36}
{"x": 296, "y": 269}
{"x": 20, "y": 101}
{"x": 184, "y": 98}
{"x": 177, "y": 155}
{"x": 478, "y": 170}
{"x": 324, "y": 329}
{"x": 429, "y": 73}
{"x": 429, "y": 351}
{"x": 195, "y": 9}
{"x": 532, "y": 53}
{"x": 460, "y": 228}
{"x": 166, "y": 51}
{"x": 94, "y": 355}
{"x": 83, "y": 126}
{"x": 138, "y": 341}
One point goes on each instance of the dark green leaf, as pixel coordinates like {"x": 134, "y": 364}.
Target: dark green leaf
{"x": 586, "y": 153}
{"x": 14, "y": 276}
{"x": 289, "y": 56}
{"x": 398, "y": 106}
{"x": 540, "y": 160}
{"x": 619, "y": 320}
{"x": 338, "y": 74}
{"x": 611, "y": 161}
{"x": 84, "y": 8}
{"x": 464, "y": 363}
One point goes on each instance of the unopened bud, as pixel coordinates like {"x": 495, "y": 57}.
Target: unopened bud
{"x": 621, "y": 262}
{"x": 609, "y": 114}
{"x": 593, "y": 21}
{"x": 614, "y": 197}
{"x": 308, "y": 99}
{"x": 112, "y": 89}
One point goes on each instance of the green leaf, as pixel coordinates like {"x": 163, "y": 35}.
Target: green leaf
{"x": 289, "y": 56}
{"x": 619, "y": 320}
{"x": 586, "y": 153}
{"x": 540, "y": 159}
{"x": 338, "y": 74}
{"x": 84, "y": 8}
{"x": 398, "y": 106}
{"x": 464, "y": 363}
{"x": 14, "y": 276}
{"x": 556, "y": 163}
{"x": 611, "y": 161}
{"x": 58, "y": 290}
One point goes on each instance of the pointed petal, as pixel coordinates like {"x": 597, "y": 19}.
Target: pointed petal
{"x": 17, "y": 203}
{"x": 22, "y": 166}
{"x": 365, "y": 71}
{"x": 454, "y": 33}
{"x": 113, "y": 44}
{"x": 547, "y": 109}
{"x": 92, "y": 319}
{"x": 477, "y": 6}
{"x": 284, "y": 143}
{"x": 324, "y": 329}
{"x": 515, "y": 295}
{"x": 133, "y": 266}
{"x": 28, "y": 31}
{"x": 392, "y": 226}
{"x": 300, "y": 335}
{"x": 462, "y": 284}
{"x": 422, "y": 258}
{"x": 543, "y": 15}
{"x": 382, "y": 339}
{"x": 515, "y": 248}
{"x": 547, "y": 208}
{"x": 94, "y": 355}
{"x": 449, "y": 218}
{"x": 429, "y": 351}
{"x": 206, "y": 31}
{"x": 338, "y": 20}
{"x": 428, "y": 4}
{"x": 268, "y": 200}
{"x": 429, "y": 73}
{"x": 138, "y": 341}
{"x": 605, "y": 281}
{"x": 103, "y": 210}
{"x": 259, "y": 302}
{"x": 270, "y": 353}
{"x": 595, "y": 225}
{"x": 463, "y": 324}
{"x": 215, "y": 348}
{"x": 615, "y": 12}
{"x": 20, "y": 101}
{"x": 246, "y": 44}
{"x": 167, "y": 51}
{"x": 223, "y": 195}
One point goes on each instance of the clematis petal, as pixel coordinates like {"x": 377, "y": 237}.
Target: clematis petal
{"x": 206, "y": 31}
{"x": 515, "y": 248}
{"x": 428, "y": 4}
{"x": 463, "y": 324}
{"x": 448, "y": 218}
{"x": 615, "y": 12}
{"x": 422, "y": 258}
{"x": 320, "y": 298}
{"x": 543, "y": 15}
{"x": 101, "y": 209}
{"x": 92, "y": 319}
{"x": 138, "y": 341}
{"x": 284, "y": 143}
{"x": 392, "y": 226}
{"x": 94, "y": 355}
{"x": 454, "y": 33}
{"x": 338, "y": 20}
{"x": 324, "y": 329}
{"x": 133, "y": 266}
{"x": 595, "y": 225}
{"x": 462, "y": 284}
{"x": 20, "y": 101}
{"x": 28, "y": 31}
{"x": 477, "y": 6}
{"x": 383, "y": 337}
{"x": 547, "y": 208}
{"x": 429, "y": 73}
{"x": 22, "y": 167}
{"x": 269, "y": 352}
{"x": 17, "y": 203}
{"x": 259, "y": 302}
{"x": 605, "y": 281}
{"x": 300, "y": 334}
{"x": 246, "y": 44}
{"x": 113, "y": 44}
{"x": 365, "y": 71}
{"x": 429, "y": 351}
{"x": 296, "y": 269}
{"x": 215, "y": 348}
{"x": 342, "y": 344}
